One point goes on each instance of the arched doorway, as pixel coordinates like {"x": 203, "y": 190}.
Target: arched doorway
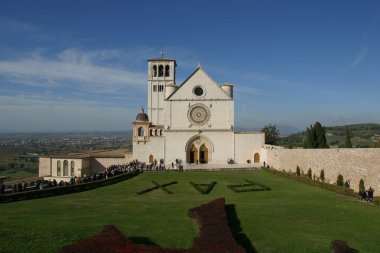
{"x": 203, "y": 154}
{"x": 193, "y": 154}
{"x": 256, "y": 158}
{"x": 199, "y": 149}
{"x": 151, "y": 159}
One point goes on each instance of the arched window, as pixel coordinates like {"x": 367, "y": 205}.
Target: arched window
{"x": 161, "y": 71}
{"x": 72, "y": 165}
{"x": 154, "y": 70}
{"x": 58, "y": 168}
{"x": 167, "y": 70}
{"x": 140, "y": 131}
{"x": 161, "y": 132}
{"x": 256, "y": 158}
{"x": 151, "y": 132}
{"x": 65, "y": 168}
{"x": 155, "y": 132}
{"x": 151, "y": 159}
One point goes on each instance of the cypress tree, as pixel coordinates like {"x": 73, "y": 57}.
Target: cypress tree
{"x": 309, "y": 172}
{"x": 298, "y": 171}
{"x": 322, "y": 175}
{"x": 361, "y": 185}
{"x": 347, "y": 141}
{"x": 315, "y": 137}
{"x": 340, "y": 181}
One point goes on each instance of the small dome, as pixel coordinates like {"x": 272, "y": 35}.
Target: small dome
{"x": 142, "y": 116}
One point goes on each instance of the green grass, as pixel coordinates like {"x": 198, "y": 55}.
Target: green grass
{"x": 16, "y": 175}
{"x": 292, "y": 217}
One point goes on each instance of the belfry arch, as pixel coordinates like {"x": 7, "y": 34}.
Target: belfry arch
{"x": 199, "y": 149}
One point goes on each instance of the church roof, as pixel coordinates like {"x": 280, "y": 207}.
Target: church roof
{"x": 207, "y": 81}
{"x": 162, "y": 59}
{"x": 195, "y": 71}
{"x": 142, "y": 116}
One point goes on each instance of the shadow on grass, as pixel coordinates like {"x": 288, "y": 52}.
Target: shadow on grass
{"x": 236, "y": 230}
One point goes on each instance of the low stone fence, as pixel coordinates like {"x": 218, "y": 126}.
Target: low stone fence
{"x": 61, "y": 190}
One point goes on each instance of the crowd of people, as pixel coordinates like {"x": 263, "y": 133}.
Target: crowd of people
{"x": 109, "y": 172}
{"x": 366, "y": 195}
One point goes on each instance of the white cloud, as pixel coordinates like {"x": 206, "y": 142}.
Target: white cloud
{"x": 360, "y": 56}
{"x": 72, "y": 67}
{"x": 33, "y": 112}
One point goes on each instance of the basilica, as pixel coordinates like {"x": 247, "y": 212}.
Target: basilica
{"x": 190, "y": 123}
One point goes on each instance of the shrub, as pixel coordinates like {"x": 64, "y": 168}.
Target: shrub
{"x": 309, "y": 173}
{"x": 203, "y": 188}
{"x": 340, "y": 181}
{"x": 330, "y": 187}
{"x": 322, "y": 175}
{"x": 361, "y": 185}
{"x": 298, "y": 171}
{"x": 347, "y": 184}
{"x": 249, "y": 187}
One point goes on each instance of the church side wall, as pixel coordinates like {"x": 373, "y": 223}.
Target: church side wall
{"x": 155, "y": 147}
{"x": 247, "y": 145}
{"x": 353, "y": 164}
{"x": 100, "y": 164}
{"x": 44, "y": 166}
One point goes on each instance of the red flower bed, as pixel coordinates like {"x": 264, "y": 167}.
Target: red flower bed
{"x": 215, "y": 236}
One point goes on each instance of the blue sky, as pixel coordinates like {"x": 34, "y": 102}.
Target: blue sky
{"x": 81, "y": 65}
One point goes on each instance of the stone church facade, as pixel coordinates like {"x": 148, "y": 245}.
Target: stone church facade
{"x": 192, "y": 123}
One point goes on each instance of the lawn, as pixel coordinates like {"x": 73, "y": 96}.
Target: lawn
{"x": 12, "y": 175}
{"x": 292, "y": 217}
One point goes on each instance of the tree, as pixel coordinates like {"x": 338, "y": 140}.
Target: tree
{"x": 309, "y": 173}
{"x": 347, "y": 184}
{"x": 322, "y": 175}
{"x": 361, "y": 185}
{"x": 315, "y": 137}
{"x": 347, "y": 140}
{"x": 272, "y": 135}
{"x": 298, "y": 171}
{"x": 340, "y": 180}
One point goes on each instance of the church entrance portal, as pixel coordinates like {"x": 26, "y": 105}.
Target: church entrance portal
{"x": 203, "y": 154}
{"x": 198, "y": 150}
{"x": 194, "y": 154}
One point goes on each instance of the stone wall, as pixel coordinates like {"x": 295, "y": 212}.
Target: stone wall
{"x": 353, "y": 163}
{"x": 247, "y": 145}
{"x": 44, "y": 166}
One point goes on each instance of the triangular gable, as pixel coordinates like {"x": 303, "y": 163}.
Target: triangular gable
{"x": 199, "y": 78}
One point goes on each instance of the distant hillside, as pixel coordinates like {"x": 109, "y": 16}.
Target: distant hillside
{"x": 362, "y": 136}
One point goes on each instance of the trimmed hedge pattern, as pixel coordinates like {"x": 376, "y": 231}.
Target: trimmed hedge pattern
{"x": 61, "y": 190}
{"x": 338, "y": 189}
{"x": 250, "y": 186}
{"x": 203, "y": 188}
{"x": 157, "y": 186}
{"x": 215, "y": 236}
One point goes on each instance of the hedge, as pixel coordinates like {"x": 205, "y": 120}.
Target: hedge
{"x": 200, "y": 189}
{"x": 61, "y": 190}
{"x": 156, "y": 186}
{"x": 249, "y": 187}
{"x": 338, "y": 189}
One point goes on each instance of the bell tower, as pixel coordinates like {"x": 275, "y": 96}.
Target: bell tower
{"x": 161, "y": 76}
